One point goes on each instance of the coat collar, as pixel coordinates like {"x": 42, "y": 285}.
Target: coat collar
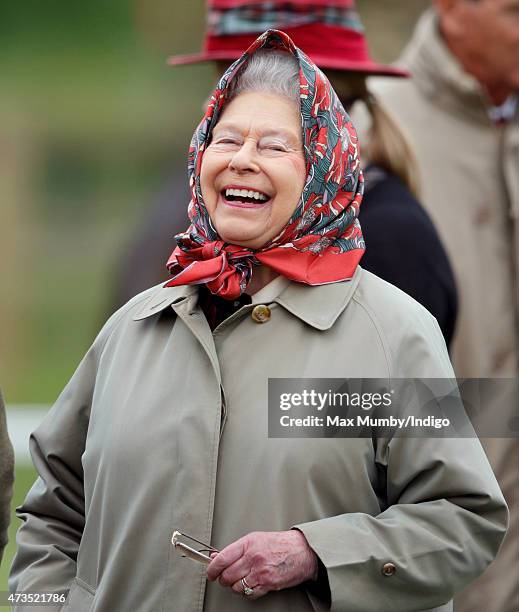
{"x": 318, "y": 306}
{"x": 163, "y": 297}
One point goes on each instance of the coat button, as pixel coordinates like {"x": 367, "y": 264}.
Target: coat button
{"x": 388, "y": 569}
{"x": 260, "y": 313}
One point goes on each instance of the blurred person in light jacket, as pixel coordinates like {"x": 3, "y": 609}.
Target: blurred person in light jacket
{"x": 331, "y": 33}
{"x": 460, "y": 110}
{"x": 6, "y": 477}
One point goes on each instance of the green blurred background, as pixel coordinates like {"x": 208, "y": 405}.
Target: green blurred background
{"x": 92, "y": 122}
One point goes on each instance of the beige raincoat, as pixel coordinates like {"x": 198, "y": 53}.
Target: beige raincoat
{"x": 164, "y": 426}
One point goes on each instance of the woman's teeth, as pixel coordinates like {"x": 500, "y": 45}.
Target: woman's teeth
{"x": 245, "y": 194}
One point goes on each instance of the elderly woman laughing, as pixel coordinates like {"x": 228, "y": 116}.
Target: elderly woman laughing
{"x": 164, "y": 424}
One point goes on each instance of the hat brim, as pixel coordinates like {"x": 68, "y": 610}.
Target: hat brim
{"x": 323, "y": 61}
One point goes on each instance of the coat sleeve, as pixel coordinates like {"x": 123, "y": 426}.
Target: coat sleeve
{"x": 440, "y": 525}
{"x": 53, "y": 513}
{"x": 6, "y": 478}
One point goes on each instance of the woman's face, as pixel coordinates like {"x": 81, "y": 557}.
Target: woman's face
{"x": 253, "y": 171}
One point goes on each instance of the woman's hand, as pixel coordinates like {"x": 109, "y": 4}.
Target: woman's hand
{"x": 268, "y": 561}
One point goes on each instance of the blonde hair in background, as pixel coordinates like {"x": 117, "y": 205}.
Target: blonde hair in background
{"x": 389, "y": 148}
{"x": 386, "y": 146}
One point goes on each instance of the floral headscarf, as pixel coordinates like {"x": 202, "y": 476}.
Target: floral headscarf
{"x": 322, "y": 241}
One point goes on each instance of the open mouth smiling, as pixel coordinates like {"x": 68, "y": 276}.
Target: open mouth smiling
{"x": 240, "y": 196}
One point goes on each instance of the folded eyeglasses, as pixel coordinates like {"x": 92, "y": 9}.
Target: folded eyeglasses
{"x": 196, "y": 554}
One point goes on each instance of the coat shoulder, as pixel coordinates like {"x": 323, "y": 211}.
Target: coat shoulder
{"x": 412, "y": 338}
{"x": 128, "y": 311}
{"x": 406, "y": 99}
{"x": 387, "y": 301}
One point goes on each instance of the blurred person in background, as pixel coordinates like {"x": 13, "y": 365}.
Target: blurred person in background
{"x": 460, "y": 110}
{"x": 164, "y": 424}
{"x": 6, "y": 477}
{"x": 331, "y": 33}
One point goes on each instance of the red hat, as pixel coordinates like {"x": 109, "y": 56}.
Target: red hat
{"x": 328, "y": 31}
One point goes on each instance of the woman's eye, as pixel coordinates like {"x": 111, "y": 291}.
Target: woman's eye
{"x": 226, "y": 141}
{"x": 274, "y": 147}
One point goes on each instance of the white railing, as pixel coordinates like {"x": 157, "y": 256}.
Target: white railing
{"x": 22, "y": 419}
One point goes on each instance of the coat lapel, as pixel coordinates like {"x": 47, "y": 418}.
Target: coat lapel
{"x": 183, "y": 300}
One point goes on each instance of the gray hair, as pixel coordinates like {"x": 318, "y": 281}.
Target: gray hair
{"x": 274, "y": 72}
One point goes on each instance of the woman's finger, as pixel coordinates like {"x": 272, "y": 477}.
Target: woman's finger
{"x": 226, "y": 557}
{"x": 257, "y": 591}
{"x": 234, "y": 572}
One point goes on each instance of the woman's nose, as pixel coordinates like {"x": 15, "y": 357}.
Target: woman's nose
{"x": 244, "y": 160}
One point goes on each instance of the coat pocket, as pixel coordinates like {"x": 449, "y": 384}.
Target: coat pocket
{"x": 80, "y": 597}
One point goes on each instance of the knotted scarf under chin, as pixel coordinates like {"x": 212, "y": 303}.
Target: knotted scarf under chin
{"x": 322, "y": 241}
{"x": 226, "y": 269}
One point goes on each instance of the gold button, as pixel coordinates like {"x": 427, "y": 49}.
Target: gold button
{"x": 388, "y": 569}
{"x": 260, "y": 313}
